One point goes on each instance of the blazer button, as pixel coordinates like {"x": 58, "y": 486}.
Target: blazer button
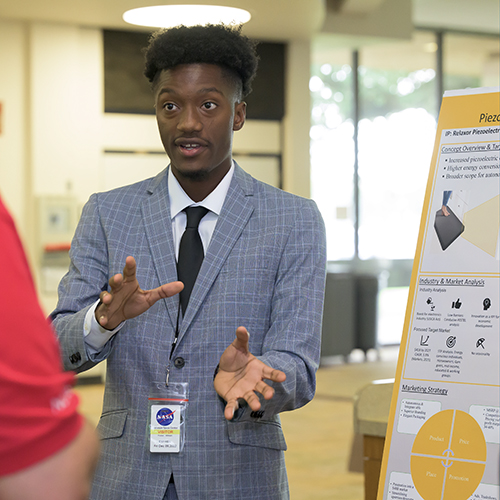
{"x": 179, "y": 362}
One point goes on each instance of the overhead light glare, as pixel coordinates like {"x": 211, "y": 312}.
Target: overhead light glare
{"x": 168, "y": 16}
{"x": 430, "y": 47}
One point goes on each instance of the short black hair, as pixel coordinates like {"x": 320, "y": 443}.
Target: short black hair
{"x": 217, "y": 44}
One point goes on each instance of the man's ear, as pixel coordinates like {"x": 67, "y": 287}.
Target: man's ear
{"x": 240, "y": 114}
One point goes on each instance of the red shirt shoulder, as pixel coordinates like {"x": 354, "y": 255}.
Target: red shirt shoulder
{"x": 38, "y": 409}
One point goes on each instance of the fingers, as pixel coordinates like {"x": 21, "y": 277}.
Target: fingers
{"x": 250, "y": 397}
{"x": 242, "y": 338}
{"x": 105, "y": 299}
{"x": 266, "y": 390}
{"x": 249, "y": 391}
{"x": 164, "y": 291}
{"x": 170, "y": 289}
{"x": 231, "y": 407}
{"x": 274, "y": 375}
{"x": 252, "y": 400}
{"x": 130, "y": 268}
{"x": 115, "y": 281}
{"x": 129, "y": 271}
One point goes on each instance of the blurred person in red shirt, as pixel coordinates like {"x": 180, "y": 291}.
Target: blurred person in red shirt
{"x": 47, "y": 450}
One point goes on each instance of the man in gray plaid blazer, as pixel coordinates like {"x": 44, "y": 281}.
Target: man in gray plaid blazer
{"x": 262, "y": 278}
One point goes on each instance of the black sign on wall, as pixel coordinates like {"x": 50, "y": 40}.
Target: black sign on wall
{"x": 126, "y": 89}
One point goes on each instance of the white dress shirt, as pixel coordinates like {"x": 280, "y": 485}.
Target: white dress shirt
{"x": 95, "y": 335}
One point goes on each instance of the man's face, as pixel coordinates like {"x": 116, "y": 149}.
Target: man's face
{"x": 197, "y": 112}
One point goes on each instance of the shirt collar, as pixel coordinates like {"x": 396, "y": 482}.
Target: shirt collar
{"x": 179, "y": 200}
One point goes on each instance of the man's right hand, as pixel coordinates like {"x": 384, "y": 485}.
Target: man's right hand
{"x": 127, "y": 300}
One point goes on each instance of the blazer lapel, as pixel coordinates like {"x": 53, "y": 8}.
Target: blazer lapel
{"x": 234, "y": 216}
{"x": 158, "y": 227}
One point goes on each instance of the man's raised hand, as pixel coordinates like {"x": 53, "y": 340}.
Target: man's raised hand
{"x": 126, "y": 299}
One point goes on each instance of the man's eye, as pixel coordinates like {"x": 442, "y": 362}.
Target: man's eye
{"x": 169, "y": 106}
{"x": 209, "y": 105}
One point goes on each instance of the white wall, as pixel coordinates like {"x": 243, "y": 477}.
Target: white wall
{"x": 297, "y": 122}
{"x": 65, "y": 85}
{"x": 139, "y": 134}
{"x": 69, "y": 130}
{"x": 13, "y": 143}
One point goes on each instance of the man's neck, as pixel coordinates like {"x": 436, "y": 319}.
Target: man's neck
{"x": 199, "y": 187}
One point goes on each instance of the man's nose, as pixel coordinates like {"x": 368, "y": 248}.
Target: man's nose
{"x": 189, "y": 120}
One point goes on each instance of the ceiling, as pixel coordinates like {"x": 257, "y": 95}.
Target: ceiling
{"x": 271, "y": 19}
{"x": 275, "y": 19}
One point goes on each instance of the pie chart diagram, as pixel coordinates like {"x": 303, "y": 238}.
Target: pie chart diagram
{"x": 448, "y": 456}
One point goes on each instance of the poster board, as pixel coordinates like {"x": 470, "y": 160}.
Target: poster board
{"x": 443, "y": 434}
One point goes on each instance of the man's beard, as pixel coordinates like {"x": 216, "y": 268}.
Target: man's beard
{"x": 197, "y": 176}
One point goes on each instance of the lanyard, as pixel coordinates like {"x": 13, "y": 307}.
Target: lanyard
{"x": 174, "y": 343}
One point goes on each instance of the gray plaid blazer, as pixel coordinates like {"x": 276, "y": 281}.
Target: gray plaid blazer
{"x": 264, "y": 269}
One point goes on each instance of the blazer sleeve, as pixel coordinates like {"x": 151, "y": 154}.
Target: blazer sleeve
{"x": 87, "y": 277}
{"x": 293, "y": 342}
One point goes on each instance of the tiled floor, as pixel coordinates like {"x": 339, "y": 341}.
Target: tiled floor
{"x": 320, "y": 435}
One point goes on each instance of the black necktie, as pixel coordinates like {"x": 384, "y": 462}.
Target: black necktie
{"x": 190, "y": 253}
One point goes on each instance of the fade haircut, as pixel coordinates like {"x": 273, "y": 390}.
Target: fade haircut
{"x": 218, "y": 44}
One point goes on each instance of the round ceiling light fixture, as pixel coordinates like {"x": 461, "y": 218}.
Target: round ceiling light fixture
{"x": 168, "y": 16}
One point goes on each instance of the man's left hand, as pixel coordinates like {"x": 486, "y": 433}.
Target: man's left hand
{"x": 241, "y": 375}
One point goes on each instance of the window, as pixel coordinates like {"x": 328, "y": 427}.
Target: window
{"x": 332, "y": 150}
{"x": 397, "y": 89}
{"x": 371, "y": 200}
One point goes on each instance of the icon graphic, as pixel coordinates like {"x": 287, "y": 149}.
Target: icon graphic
{"x": 456, "y": 305}
{"x": 429, "y": 302}
{"x": 486, "y": 304}
{"x": 480, "y": 343}
{"x": 451, "y": 341}
{"x": 423, "y": 341}
{"x": 447, "y": 462}
{"x": 165, "y": 416}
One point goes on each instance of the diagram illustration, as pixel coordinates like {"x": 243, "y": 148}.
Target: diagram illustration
{"x": 448, "y": 456}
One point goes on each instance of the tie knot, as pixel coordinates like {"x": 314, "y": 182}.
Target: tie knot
{"x": 194, "y": 216}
